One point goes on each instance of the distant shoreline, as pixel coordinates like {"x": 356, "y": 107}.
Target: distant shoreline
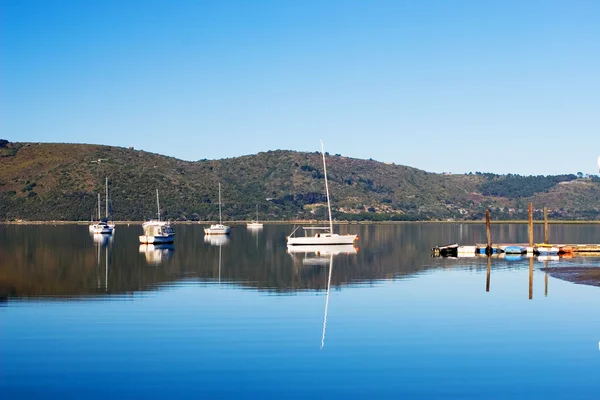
{"x": 565, "y": 222}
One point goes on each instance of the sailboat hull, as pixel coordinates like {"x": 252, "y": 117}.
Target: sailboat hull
{"x": 218, "y": 229}
{"x": 104, "y": 230}
{"x": 162, "y": 239}
{"x": 322, "y": 239}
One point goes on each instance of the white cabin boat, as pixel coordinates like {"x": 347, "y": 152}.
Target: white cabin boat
{"x": 218, "y": 229}
{"x": 323, "y": 235}
{"x": 157, "y": 231}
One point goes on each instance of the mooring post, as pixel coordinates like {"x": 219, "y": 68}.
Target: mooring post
{"x": 530, "y": 278}
{"x": 546, "y": 238}
{"x": 489, "y": 273}
{"x": 530, "y": 225}
{"x": 488, "y": 249}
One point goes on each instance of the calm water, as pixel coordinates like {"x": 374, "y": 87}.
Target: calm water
{"x": 109, "y": 319}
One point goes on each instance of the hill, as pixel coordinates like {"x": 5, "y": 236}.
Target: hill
{"x": 60, "y": 182}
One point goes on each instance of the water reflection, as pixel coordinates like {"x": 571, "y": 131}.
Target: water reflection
{"x": 327, "y": 300}
{"x": 216, "y": 240}
{"x": 319, "y": 255}
{"x": 103, "y": 240}
{"x": 63, "y": 261}
{"x": 156, "y": 253}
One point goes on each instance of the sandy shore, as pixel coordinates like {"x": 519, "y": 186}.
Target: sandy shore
{"x": 581, "y": 275}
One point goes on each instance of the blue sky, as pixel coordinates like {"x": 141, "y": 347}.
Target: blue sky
{"x": 459, "y": 86}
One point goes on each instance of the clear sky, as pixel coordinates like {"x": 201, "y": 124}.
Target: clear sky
{"x": 492, "y": 86}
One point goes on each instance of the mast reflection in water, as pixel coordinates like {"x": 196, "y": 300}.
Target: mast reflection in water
{"x": 391, "y": 321}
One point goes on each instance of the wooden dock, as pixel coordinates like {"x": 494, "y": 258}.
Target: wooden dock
{"x": 516, "y": 249}
{"x": 456, "y": 250}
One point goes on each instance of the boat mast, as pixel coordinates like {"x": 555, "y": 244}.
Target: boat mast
{"x": 106, "y": 197}
{"x": 220, "y": 221}
{"x": 99, "y": 207}
{"x": 157, "y": 204}
{"x": 327, "y": 189}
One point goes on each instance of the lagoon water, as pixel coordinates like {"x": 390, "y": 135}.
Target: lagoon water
{"x": 243, "y": 318}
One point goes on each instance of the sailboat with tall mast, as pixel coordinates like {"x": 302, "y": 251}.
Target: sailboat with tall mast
{"x": 103, "y": 227}
{"x": 323, "y": 235}
{"x": 254, "y": 224}
{"x": 218, "y": 229}
{"x": 157, "y": 231}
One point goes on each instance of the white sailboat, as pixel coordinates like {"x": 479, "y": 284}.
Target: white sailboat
{"x": 103, "y": 227}
{"x": 254, "y": 224}
{"x": 157, "y": 231}
{"x": 218, "y": 229}
{"x": 323, "y": 235}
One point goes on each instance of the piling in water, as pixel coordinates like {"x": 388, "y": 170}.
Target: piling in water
{"x": 488, "y": 249}
{"x": 530, "y": 217}
{"x": 546, "y": 239}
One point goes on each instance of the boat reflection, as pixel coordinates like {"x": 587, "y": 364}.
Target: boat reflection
{"x": 320, "y": 255}
{"x": 543, "y": 257}
{"x": 102, "y": 240}
{"x": 156, "y": 253}
{"x": 216, "y": 240}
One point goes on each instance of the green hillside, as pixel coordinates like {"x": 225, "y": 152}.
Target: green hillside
{"x": 61, "y": 182}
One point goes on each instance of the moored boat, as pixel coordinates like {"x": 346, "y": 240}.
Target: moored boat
{"x": 103, "y": 227}
{"x": 254, "y": 224}
{"x": 218, "y": 229}
{"x": 546, "y": 249}
{"x": 515, "y": 250}
{"x": 157, "y": 231}
{"x": 323, "y": 235}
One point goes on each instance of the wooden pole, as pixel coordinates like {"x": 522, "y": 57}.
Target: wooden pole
{"x": 530, "y": 224}
{"x": 531, "y": 278}
{"x": 546, "y": 239}
{"x": 488, "y": 249}
{"x": 489, "y": 273}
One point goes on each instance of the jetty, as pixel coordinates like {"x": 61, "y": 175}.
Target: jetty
{"x": 517, "y": 249}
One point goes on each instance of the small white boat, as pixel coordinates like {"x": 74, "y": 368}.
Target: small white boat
{"x": 157, "y": 231}
{"x": 103, "y": 227}
{"x": 546, "y": 249}
{"x": 323, "y": 235}
{"x": 254, "y": 224}
{"x": 218, "y": 229}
